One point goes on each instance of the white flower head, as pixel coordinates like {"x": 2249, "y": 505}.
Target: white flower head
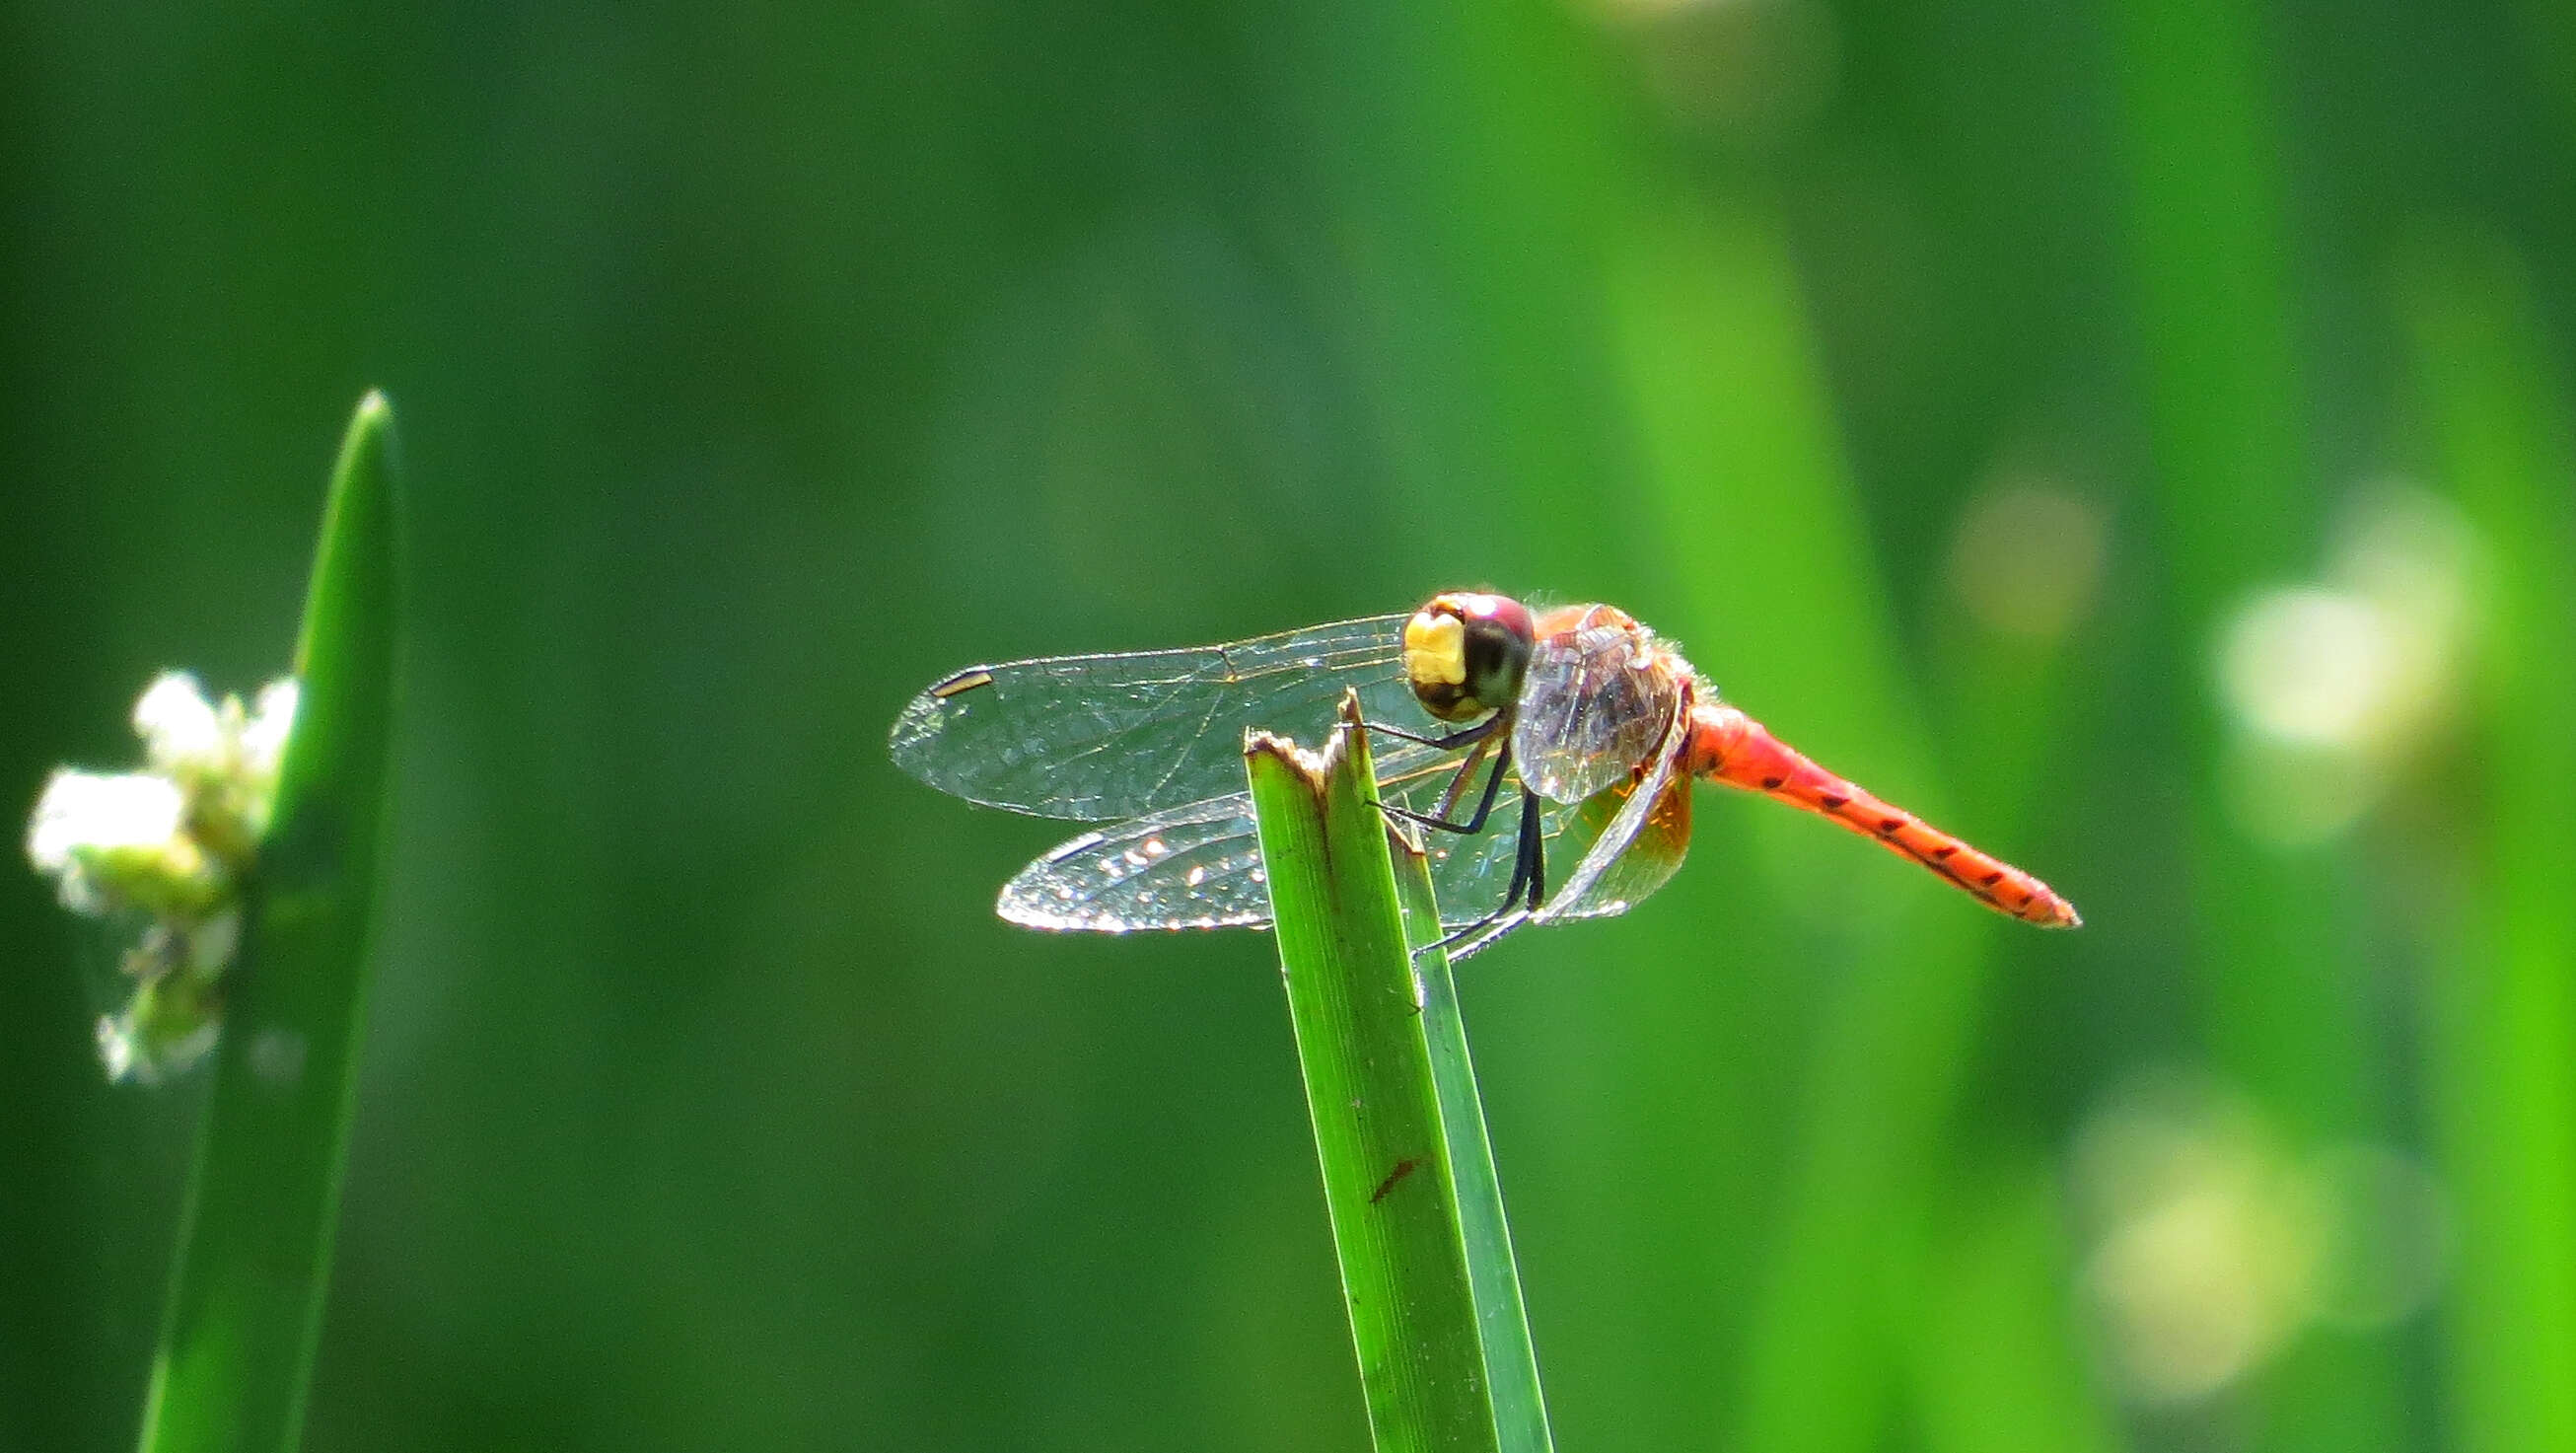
{"x": 172, "y": 842}
{"x": 182, "y": 733}
{"x": 263, "y": 738}
{"x": 91, "y": 810}
{"x": 99, "y": 833}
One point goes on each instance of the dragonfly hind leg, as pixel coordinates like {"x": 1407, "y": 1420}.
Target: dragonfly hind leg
{"x": 1528, "y": 889}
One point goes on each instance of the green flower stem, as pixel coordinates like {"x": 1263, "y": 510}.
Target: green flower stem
{"x": 1435, "y": 1304}
{"x": 245, "y": 1313}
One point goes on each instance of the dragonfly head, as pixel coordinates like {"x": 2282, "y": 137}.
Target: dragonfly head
{"x": 1464, "y": 654}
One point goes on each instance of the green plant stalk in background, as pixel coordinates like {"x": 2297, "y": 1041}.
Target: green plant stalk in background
{"x": 2503, "y": 1009}
{"x": 1739, "y": 423}
{"x": 245, "y": 1310}
{"x": 1435, "y": 1304}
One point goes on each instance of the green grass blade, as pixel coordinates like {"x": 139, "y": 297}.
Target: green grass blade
{"x": 245, "y": 1312}
{"x": 1739, "y": 426}
{"x": 1444, "y": 1348}
{"x": 2494, "y": 393}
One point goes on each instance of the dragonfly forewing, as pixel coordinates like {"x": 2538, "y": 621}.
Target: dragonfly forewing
{"x": 1095, "y": 738}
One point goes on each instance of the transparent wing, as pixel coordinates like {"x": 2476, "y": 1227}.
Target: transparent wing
{"x": 1592, "y": 707}
{"x": 1100, "y": 737}
{"x": 1199, "y": 865}
{"x": 1193, "y": 866}
{"x": 1636, "y": 851}
{"x": 1606, "y": 853}
{"x": 1196, "y": 866}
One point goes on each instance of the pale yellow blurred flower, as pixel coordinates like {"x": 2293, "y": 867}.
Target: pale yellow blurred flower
{"x": 2026, "y": 560}
{"x": 2332, "y": 685}
{"x": 2215, "y": 1243}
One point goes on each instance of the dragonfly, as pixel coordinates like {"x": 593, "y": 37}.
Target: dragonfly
{"x": 1586, "y": 723}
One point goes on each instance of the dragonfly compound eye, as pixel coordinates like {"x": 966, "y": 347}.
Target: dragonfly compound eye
{"x": 1464, "y": 654}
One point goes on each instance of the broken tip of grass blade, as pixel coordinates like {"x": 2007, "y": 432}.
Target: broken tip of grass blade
{"x": 1418, "y": 1268}
{"x": 244, "y": 1319}
{"x": 1310, "y": 768}
{"x": 1316, "y": 768}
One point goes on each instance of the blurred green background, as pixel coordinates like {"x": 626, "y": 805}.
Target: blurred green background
{"x": 2136, "y": 435}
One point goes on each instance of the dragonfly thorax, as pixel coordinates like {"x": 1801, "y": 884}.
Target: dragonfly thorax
{"x": 1465, "y": 654}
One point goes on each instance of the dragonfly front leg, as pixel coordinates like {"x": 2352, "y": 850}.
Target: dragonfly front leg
{"x": 1475, "y": 822}
{"x": 1450, "y": 743}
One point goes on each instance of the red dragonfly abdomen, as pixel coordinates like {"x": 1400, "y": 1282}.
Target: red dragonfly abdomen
{"x": 1727, "y": 746}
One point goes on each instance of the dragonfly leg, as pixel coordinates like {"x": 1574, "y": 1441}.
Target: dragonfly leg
{"x": 1529, "y": 877}
{"x": 1450, "y": 743}
{"x": 1475, "y": 822}
{"x": 1458, "y": 780}
{"x": 1535, "y": 847}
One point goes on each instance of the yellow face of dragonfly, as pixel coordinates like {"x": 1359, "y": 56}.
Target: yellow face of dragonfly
{"x": 1464, "y": 654}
